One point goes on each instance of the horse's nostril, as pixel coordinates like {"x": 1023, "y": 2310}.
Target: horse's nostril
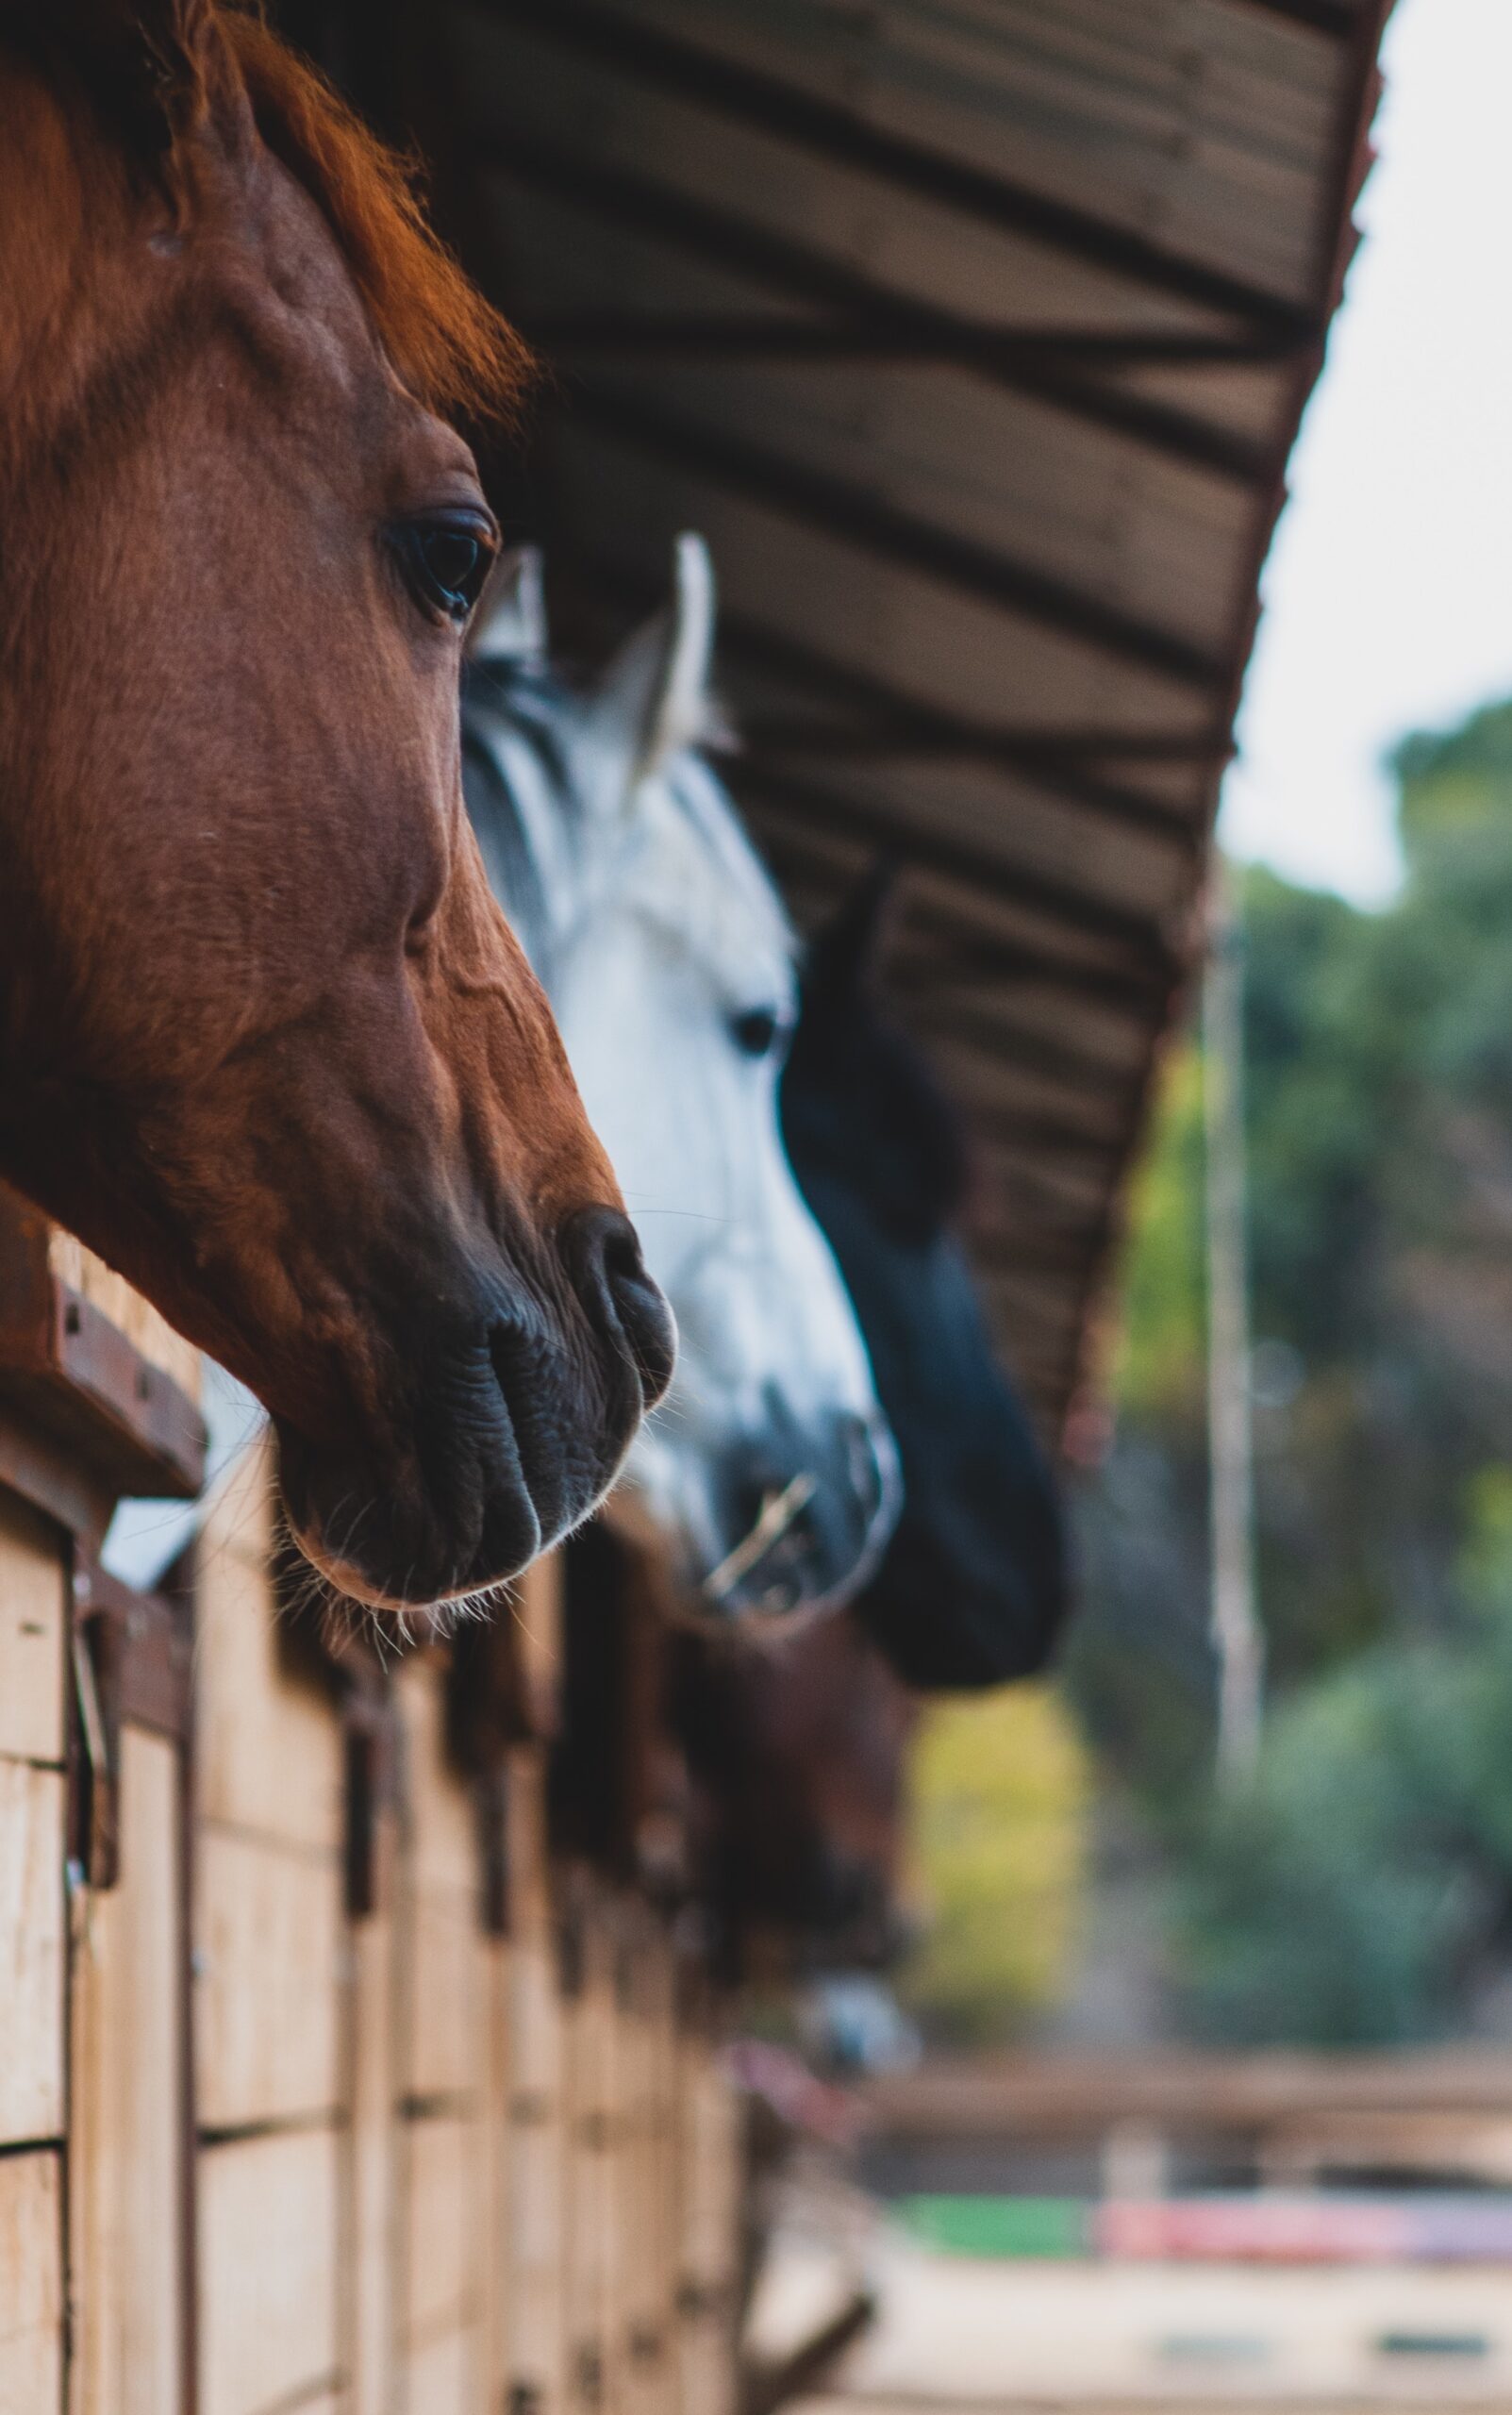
{"x": 612, "y": 1276}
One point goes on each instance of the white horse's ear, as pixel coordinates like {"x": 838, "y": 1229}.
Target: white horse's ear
{"x": 654, "y": 699}
{"x": 509, "y": 625}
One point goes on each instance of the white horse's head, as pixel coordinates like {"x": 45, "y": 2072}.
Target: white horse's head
{"x": 669, "y": 961}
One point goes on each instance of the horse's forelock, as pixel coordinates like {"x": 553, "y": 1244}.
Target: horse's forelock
{"x": 448, "y": 344}
{"x": 451, "y": 346}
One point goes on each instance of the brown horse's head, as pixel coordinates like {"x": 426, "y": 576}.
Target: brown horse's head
{"x": 265, "y": 1040}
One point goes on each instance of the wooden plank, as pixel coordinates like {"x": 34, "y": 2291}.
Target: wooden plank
{"x": 69, "y": 1365}
{"x": 267, "y": 2000}
{"x": 646, "y": 2177}
{"x": 442, "y": 1843}
{"x": 533, "y": 2244}
{"x": 147, "y": 1330}
{"x": 710, "y": 2189}
{"x": 494, "y": 2246}
{"x": 268, "y": 1753}
{"x": 31, "y": 2284}
{"x": 269, "y": 2271}
{"x": 591, "y": 2261}
{"x": 32, "y": 1951}
{"x": 33, "y": 1631}
{"x": 370, "y": 2201}
{"x": 444, "y": 2377}
{"x": 444, "y": 2176}
{"x": 127, "y": 2106}
{"x": 446, "y": 2044}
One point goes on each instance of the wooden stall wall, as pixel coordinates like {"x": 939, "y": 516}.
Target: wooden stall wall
{"x": 329, "y": 2086}
{"x": 34, "y": 1589}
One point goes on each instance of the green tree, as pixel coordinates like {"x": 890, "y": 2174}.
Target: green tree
{"x": 1380, "y": 1149}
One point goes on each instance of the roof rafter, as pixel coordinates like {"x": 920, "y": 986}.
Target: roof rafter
{"x": 899, "y": 322}
{"x": 850, "y": 511}
{"x": 893, "y": 328}
{"x": 1032, "y": 961}
{"x": 899, "y": 731}
{"x": 900, "y": 723}
{"x": 1063, "y": 1061}
{"x": 780, "y": 107}
{"x": 1335, "y": 18}
{"x": 1036, "y": 892}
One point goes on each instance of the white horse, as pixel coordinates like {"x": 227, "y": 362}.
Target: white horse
{"x": 670, "y": 965}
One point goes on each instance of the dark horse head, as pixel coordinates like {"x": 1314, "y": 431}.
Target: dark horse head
{"x": 972, "y": 1587}
{"x": 797, "y": 1756}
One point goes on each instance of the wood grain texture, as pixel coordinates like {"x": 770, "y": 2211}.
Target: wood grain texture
{"x": 441, "y": 1847}
{"x": 592, "y": 2249}
{"x": 535, "y": 2155}
{"x": 494, "y": 2252}
{"x": 709, "y": 2180}
{"x": 146, "y": 1329}
{"x": 31, "y": 2284}
{"x": 33, "y": 1631}
{"x": 269, "y": 2271}
{"x": 645, "y": 2173}
{"x": 125, "y": 2112}
{"x": 446, "y": 2045}
{"x": 444, "y": 2376}
{"x": 270, "y": 1941}
{"x": 268, "y": 1752}
{"x": 32, "y": 1951}
{"x": 371, "y": 2168}
{"x": 443, "y": 2197}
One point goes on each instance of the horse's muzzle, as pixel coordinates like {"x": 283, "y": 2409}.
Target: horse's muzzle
{"x": 507, "y": 1429}
{"x": 805, "y": 1516}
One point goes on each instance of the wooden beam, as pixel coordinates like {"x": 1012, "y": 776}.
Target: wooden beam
{"x": 1335, "y": 18}
{"x": 852, "y": 512}
{"x": 885, "y": 322}
{"x": 923, "y": 735}
{"x": 1063, "y": 1060}
{"x": 953, "y": 946}
{"x": 778, "y": 106}
{"x": 1058, "y": 761}
{"x": 1060, "y": 901}
{"x": 885, "y": 326}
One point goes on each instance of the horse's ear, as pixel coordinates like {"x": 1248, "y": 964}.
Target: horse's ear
{"x": 510, "y": 622}
{"x": 170, "y": 69}
{"x": 845, "y": 954}
{"x": 654, "y": 699}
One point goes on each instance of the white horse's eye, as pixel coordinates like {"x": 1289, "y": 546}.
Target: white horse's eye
{"x": 755, "y": 1032}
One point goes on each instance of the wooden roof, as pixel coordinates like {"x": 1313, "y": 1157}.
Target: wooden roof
{"x": 974, "y": 335}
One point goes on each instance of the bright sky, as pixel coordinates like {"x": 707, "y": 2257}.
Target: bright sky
{"x": 1388, "y": 592}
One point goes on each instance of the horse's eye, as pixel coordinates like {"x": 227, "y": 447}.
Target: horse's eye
{"x": 445, "y": 561}
{"x": 756, "y": 1031}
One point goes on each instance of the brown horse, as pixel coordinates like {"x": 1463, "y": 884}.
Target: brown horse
{"x": 265, "y": 1040}
{"x": 798, "y": 1754}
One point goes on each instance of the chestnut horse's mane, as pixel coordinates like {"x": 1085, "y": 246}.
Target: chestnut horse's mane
{"x": 448, "y": 344}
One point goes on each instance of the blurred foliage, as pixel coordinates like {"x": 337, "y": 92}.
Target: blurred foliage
{"x": 1362, "y": 1892}
{"x": 1001, "y": 1791}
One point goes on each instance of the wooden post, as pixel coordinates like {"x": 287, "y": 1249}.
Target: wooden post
{"x": 535, "y": 2241}
{"x": 33, "y": 1931}
{"x": 1236, "y": 1630}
